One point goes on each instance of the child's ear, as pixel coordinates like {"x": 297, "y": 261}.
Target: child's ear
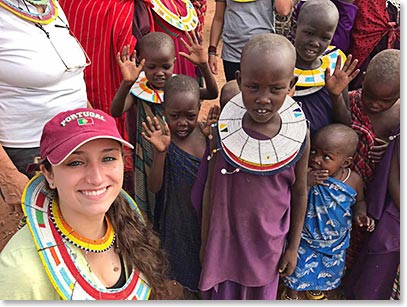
{"x": 291, "y": 90}
{"x": 347, "y": 162}
{"x": 293, "y": 82}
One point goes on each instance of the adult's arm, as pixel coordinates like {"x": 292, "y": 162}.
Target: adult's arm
{"x": 12, "y": 182}
{"x": 215, "y": 34}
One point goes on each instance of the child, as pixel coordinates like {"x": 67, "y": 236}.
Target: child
{"x": 347, "y": 14}
{"x": 157, "y": 60}
{"x": 335, "y": 195}
{"x": 252, "y": 195}
{"x": 178, "y": 150}
{"x": 322, "y": 96}
{"x": 375, "y": 110}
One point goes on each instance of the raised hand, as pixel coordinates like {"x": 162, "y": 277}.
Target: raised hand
{"x": 211, "y": 119}
{"x": 128, "y": 66}
{"x": 341, "y": 77}
{"x": 196, "y": 53}
{"x": 153, "y": 134}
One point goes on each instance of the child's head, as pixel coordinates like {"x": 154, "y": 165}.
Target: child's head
{"x": 316, "y": 25}
{"x": 332, "y": 148}
{"x": 266, "y": 75}
{"x": 381, "y": 84}
{"x": 181, "y": 105}
{"x": 157, "y": 48}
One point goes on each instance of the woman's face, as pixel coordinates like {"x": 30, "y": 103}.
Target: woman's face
{"x": 89, "y": 180}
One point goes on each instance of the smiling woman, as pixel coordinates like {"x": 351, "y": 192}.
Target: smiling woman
{"x": 71, "y": 247}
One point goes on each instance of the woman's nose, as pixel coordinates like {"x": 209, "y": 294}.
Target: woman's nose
{"x": 94, "y": 174}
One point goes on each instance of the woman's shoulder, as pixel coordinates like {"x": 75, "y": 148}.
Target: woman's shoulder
{"x": 22, "y": 274}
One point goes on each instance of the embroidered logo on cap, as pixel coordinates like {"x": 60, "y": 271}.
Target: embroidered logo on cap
{"x": 83, "y": 118}
{"x": 85, "y": 121}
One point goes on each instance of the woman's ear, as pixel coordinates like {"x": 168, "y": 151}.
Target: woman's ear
{"x": 49, "y": 176}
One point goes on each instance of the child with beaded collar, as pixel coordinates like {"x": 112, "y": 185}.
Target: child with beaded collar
{"x": 251, "y": 192}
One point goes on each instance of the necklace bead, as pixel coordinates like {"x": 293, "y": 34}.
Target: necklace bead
{"x": 68, "y": 233}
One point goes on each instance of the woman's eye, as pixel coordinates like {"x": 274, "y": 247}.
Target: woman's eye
{"x": 327, "y": 158}
{"x": 108, "y": 159}
{"x": 74, "y": 163}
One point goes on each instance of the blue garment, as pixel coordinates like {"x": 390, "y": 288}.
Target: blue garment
{"x": 176, "y": 220}
{"x": 324, "y": 238}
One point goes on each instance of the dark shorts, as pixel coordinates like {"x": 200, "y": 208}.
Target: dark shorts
{"x": 22, "y": 157}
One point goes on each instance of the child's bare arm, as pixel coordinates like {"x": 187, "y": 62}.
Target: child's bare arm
{"x": 198, "y": 56}
{"x": 161, "y": 141}
{"x": 337, "y": 86}
{"x": 359, "y": 209}
{"x": 123, "y": 100}
{"x": 299, "y": 190}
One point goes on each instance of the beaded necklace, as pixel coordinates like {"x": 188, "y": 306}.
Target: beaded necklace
{"x": 49, "y": 15}
{"x": 67, "y": 232}
{"x": 59, "y": 258}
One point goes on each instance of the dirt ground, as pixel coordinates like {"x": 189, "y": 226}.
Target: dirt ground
{"x": 9, "y": 220}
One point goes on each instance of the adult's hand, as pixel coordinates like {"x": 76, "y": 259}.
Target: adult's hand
{"x": 12, "y": 182}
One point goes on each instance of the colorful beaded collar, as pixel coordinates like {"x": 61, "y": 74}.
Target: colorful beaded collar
{"x": 57, "y": 257}
{"x": 263, "y": 157}
{"x": 141, "y": 89}
{"x": 183, "y": 18}
{"x": 314, "y": 79}
{"x": 49, "y": 15}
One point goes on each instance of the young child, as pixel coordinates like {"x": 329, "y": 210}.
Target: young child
{"x": 375, "y": 111}
{"x": 252, "y": 195}
{"x": 335, "y": 198}
{"x": 322, "y": 96}
{"x": 141, "y": 96}
{"x": 178, "y": 150}
{"x": 347, "y": 14}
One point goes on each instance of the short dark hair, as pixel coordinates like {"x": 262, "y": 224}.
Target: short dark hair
{"x": 156, "y": 40}
{"x": 385, "y": 66}
{"x": 180, "y": 83}
{"x": 269, "y": 43}
{"x": 311, "y": 6}
{"x": 343, "y": 134}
